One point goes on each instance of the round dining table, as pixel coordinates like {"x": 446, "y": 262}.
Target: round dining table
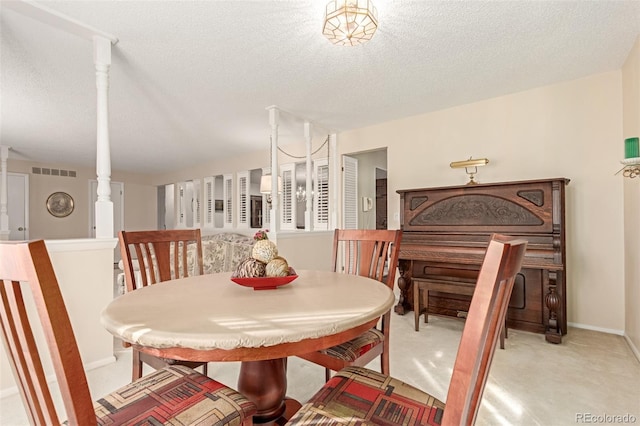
{"x": 211, "y": 318}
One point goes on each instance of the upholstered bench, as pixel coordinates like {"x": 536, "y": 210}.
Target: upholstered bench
{"x": 422, "y": 286}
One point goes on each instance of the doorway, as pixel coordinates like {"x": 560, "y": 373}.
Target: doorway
{"x": 381, "y": 198}
{"x": 256, "y": 211}
{"x": 364, "y": 178}
{"x": 18, "y": 206}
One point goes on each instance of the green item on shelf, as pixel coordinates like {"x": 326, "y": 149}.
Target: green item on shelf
{"x": 631, "y": 149}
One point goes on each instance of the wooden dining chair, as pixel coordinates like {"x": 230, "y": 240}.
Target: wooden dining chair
{"x": 369, "y": 253}
{"x": 150, "y": 257}
{"x": 357, "y": 395}
{"x": 174, "y": 395}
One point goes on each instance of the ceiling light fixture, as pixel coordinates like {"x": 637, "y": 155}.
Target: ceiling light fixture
{"x": 301, "y": 194}
{"x": 350, "y": 22}
{"x": 467, "y": 165}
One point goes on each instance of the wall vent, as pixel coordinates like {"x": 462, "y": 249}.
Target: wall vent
{"x": 52, "y": 172}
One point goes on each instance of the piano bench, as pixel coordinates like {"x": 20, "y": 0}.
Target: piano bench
{"x": 422, "y": 286}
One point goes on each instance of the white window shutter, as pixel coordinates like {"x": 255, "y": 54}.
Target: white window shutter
{"x": 243, "y": 199}
{"x": 350, "y": 192}
{"x": 321, "y": 194}
{"x": 288, "y": 209}
{"x": 227, "y": 187}
{"x": 209, "y": 202}
{"x": 181, "y": 208}
{"x": 197, "y": 205}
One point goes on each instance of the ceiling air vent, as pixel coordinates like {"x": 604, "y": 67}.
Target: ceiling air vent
{"x": 52, "y": 172}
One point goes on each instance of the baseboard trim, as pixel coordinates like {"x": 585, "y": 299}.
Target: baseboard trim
{"x": 591, "y": 327}
{"x": 633, "y": 347}
{"x": 52, "y": 377}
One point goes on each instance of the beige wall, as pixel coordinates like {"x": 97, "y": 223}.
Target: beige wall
{"x": 570, "y": 130}
{"x": 139, "y": 200}
{"x": 631, "y": 128}
{"x": 307, "y": 250}
{"x": 85, "y": 275}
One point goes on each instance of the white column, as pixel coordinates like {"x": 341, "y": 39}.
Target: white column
{"x": 104, "y": 205}
{"x": 334, "y": 179}
{"x": 308, "y": 220}
{"x": 4, "y": 217}
{"x": 274, "y": 118}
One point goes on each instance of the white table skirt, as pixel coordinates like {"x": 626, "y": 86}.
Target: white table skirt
{"x": 212, "y": 312}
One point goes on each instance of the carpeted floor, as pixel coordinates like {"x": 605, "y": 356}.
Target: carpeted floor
{"x": 531, "y": 382}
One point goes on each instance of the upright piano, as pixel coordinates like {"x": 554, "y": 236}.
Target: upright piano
{"x": 446, "y": 232}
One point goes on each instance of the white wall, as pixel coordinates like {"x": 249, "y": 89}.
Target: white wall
{"x": 139, "y": 195}
{"x": 84, "y": 269}
{"x": 570, "y": 130}
{"x": 631, "y": 128}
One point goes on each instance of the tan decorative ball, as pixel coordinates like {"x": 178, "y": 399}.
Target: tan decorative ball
{"x": 250, "y": 268}
{"x": 264, "y": 251}
{"x": 278, "y": 267}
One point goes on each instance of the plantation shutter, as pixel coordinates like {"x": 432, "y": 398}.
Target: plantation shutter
{"x": 227, "y": 187}
{"x": 288, "y": 210}
{"x": 243, "y": 199}
{"x": 196, "y": 205}
{"x": 350, "y": 192}
{"x": 321, "y": 194}
{"x": 181, "y": 208}
{"x": 209, "y": 208}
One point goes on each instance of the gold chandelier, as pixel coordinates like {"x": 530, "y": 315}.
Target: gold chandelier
{"x": 350, "y": 22}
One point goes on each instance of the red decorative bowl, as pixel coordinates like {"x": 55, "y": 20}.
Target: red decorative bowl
{"x": 265, "y": 283}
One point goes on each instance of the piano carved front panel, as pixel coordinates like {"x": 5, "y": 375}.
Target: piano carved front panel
{"x": 446, "y": 232}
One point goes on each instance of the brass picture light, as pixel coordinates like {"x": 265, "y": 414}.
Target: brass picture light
{"x": 470, "y": 167}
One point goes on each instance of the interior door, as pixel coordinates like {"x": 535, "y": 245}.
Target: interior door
{"x": 18, "y": 206}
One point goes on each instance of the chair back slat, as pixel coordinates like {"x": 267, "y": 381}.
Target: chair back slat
{"x": 18, "y": 338}
{"x": 366, "y": 252}
{"x": 28, "y": 266}
{"x": 161, "y": 255}
{"x": 501, "y": 264}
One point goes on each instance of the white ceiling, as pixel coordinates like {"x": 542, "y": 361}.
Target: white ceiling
{"x": 190, "y": 80}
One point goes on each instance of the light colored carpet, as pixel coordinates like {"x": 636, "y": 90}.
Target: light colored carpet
{"x": 531, "y": 382}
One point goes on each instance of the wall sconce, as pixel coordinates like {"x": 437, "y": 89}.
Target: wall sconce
{"x": 265, "y": 186}
{"x": 470, "y": 167}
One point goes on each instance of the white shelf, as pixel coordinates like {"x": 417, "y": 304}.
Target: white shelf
{"x": 631, "y": 161}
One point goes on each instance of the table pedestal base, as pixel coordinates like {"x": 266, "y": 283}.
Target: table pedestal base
{"x": 265, "y": 384}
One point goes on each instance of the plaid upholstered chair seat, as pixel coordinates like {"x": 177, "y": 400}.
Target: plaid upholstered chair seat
{"x": 357, "y": 395}
{"x": 174, "y": 395}
{"x": 355, "y": 348}
{"x": 371, "y": 253}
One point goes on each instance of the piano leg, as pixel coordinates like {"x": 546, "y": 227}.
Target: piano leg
{"x": 553, "y": 333}
{"x": 405, "y": 303}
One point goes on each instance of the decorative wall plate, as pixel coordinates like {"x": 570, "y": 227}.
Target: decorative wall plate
{"x": 60, "y": 204}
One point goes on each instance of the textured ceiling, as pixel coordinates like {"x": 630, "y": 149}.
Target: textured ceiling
{"x": 190, "y": 80}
